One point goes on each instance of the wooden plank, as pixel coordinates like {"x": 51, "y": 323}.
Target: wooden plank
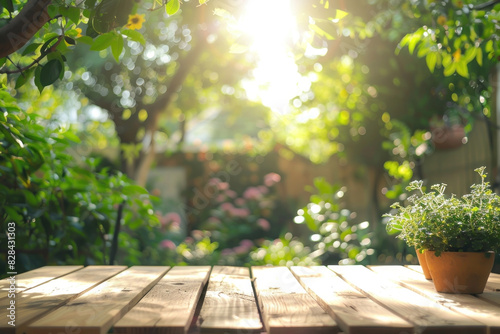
{"x": 354, "y": 312}
{"x": 491, "y": 297}
{"x": 35, "y": 277}
{"x": 170, "y": 306}
{"x": 229, "y": 305}
{"x": 468, "y": 305}
{"x": 493, "y": 283}
{"x": 36, "y": 302}
{"x": 98, "y": 309}
{"x": 285, "y": 305}
{"x": 427, "y": 315}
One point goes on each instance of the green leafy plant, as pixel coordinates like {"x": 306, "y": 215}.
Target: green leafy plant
{"x": 336, "y": 236}
{"x": 284, "y": 251}
{"x": 64, "y": 210}
{"x": 441, "y": 223}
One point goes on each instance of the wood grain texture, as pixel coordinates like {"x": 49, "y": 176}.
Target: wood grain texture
{"x": 229, "y": 305}
{"x": 35, "y": 277}
{"x": 170, "y": 305}
{"x": 465, "y": 304}
{"x": 491, "y": 297}
{"x": 493, "y": 282}
{"x": 354, "y": 312}
{"x": 98, "y": 309}
{"x": 286, "y": 306}
{"x": 427, "y": 316}
{"x": 36, "y": 302}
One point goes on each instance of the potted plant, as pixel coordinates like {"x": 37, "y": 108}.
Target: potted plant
{"x": 448, "y": 130}
{"x": 458, "y": 234}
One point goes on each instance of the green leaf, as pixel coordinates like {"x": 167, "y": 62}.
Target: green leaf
{"x": 431, "y": 59}
{"x": 23, "y": 77}
{"x": 69, "y": 40}
{"x": 38, "y": 84}
{"x": 479, "y": 56}
{"x": 414, "y": 39}
{"x": 31, "y": 48}
{"x": 340, "y": 14}
{"x": 172, "y": 7}
{"x": 422, "y": 51}
{"x": 45, "y": 45}
{"x": 328, "y": 28}
{"x": 102, "y": 41}
{"x": 8, "y": 5}
{"x": 462, "y": 69}
{"x": 50, "y": 72}
{"x": 90, "y": 3}
{"x": 489, "y": 46}
{"x": 117, "y": 47}
{"x": 470, "y": 54}
{"x": 450, "y": 69}
{"x": 86, "y": 39}
{"x": 132, "y": 189}
{"x": 134, "y": 35}
{"x": 30, "y": 198}
{"x": 53, "y": 10}
{"x": 71, "y": 136}
{"x": 72, "y": 13}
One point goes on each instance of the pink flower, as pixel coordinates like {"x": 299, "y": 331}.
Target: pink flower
{"x": 264, "y": 224}
{"x": 226, "y": 252}
{"x": 220, "y": 198}
{"x": 197, "y": 234}
{"x": 226, "y": 206}
{"x": 213, "y": 220}
{"x": 240, "y": 201}
{"x": 263, "y": 189}
{"x": 173, "y": 217}
{"x": 252, "y": 193}
{"x": 239, "y": 212}
{"x": 271, "y": 179}
{"x": 169, "y": 244}
{"x": 223, "y": 186}
{"x": 240, "y": 250}
{"x": 246, "y": 243}
{"x": 230, "y": 193}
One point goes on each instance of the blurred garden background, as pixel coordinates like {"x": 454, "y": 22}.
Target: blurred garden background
{"x": 237, "y": 132}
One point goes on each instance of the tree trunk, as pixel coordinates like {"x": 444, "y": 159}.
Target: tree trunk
{"x": 15, "y": 34}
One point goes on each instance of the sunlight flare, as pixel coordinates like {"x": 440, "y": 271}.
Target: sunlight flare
{"x": 276, "y": 79}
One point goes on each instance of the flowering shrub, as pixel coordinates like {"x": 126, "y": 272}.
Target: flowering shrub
{"x": 229, "y": 228}
{"x": 232, "y": 218}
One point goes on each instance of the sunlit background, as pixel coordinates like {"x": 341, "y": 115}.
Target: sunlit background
{"x": 276, "y": 79}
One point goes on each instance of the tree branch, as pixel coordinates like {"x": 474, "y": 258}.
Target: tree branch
{"x": 15, "y": 34}
{"x": 486, "y": 4}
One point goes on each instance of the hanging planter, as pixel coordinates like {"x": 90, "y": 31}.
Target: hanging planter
{"x": 447, "y": 137}
{"x": 448, "y": 130}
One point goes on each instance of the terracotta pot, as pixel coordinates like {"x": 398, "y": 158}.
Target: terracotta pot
{"x": 423, "y": 264}
{"x": 446, "y": 138}
{"x": 460, "y": 272}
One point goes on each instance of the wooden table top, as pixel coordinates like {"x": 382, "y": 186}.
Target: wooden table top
{"x": 202, "y": 299}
